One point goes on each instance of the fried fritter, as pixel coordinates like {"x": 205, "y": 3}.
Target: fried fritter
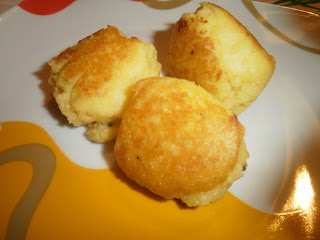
{"x": 213, "y": 49}
{"x": 178, "y": 141}
{"x": 91, "y": 80}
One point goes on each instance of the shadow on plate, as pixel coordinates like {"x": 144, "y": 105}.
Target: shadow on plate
{"x": 43, "y": 74}
{"x": 161, "y": 43}
{"x": 117, "y": 172}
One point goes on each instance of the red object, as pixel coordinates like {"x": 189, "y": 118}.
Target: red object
{"x": 44, "y": 7}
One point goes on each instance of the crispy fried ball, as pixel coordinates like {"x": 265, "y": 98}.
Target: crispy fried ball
{"x": 213, "y": 49}
{"x": 91, "y": 80}
{"x": 178, "y": 141}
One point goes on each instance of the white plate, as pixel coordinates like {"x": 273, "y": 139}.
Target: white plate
{"x": 283, "y": 128}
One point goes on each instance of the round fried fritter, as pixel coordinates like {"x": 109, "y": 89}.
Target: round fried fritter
{"x": 178, "y": 141}
{"x": 213, "y": 49}
{"x": 91, "y": 80}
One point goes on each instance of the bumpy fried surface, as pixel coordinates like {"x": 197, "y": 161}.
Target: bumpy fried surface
{"x": 178, "y": 141}
{"x": 91, "y": 80}
{"x": 216, "y": 51}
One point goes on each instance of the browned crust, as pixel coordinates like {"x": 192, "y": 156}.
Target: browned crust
{"x": 196, "y": 53}
{"x": 91, "y": 80}
{"x": 175, "y": 139}
{"x": 93, "y": 59}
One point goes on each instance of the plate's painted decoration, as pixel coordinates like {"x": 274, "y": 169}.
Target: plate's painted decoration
{"x": 44, "y": 7}
{"x": 168, "y": 4}
{"x": 42, "y": 161}
{"x": 60, "y": 200}
{"x": 307, "y": 5}
{"x": 298, "y": 26}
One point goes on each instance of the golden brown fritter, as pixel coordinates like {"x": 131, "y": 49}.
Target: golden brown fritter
{"x": 91, "y": 80}
{"x": 178, "y": 141}
{"x": 213, "y": 49}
